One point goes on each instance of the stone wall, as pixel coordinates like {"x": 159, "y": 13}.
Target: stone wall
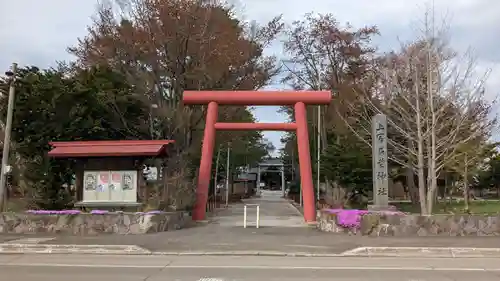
{"x": 92, "y": 224}
{"x": 381, "y": 224}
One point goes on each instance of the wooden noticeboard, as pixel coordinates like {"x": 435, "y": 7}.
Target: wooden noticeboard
{"x": 115, "y": 186}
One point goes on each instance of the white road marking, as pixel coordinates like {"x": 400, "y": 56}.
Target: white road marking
{"x": 30, "y": 241}
{"x": 308, "y": 246}
{"x": 354, "y": 251}
{"x": 432, "y": 248}
{"x": 263, "y": 267}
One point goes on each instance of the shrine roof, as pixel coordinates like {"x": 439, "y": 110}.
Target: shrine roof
{"x": 122, "y": 148}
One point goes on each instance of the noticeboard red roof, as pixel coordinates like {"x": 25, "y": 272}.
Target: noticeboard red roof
{"x": 121, "y": 148}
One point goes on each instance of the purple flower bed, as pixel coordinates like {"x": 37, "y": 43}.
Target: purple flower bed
{"x": 352, "y": 218}
{"x": 54, "y": 212}
{"x": 348, "y": 218}
{"x": 99, "y": 212}
{"x": 77, "y": 212}
{"x": 151, "y": 213}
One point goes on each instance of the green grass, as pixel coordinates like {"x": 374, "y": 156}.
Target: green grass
{"x": 454, "y": 207}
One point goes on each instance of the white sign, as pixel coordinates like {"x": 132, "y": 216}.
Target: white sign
{"x": 380, "y": 163}
{"x": 150, "y": 173}
{"x": 115, "y": 186}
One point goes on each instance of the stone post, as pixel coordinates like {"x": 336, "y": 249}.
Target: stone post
{"x": 380, "y": 167}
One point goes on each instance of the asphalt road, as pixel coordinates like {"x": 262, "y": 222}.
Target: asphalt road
{"x": 224, "y": 268}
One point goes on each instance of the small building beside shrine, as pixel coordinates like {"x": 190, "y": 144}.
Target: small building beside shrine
{"x": 109, "y": 174}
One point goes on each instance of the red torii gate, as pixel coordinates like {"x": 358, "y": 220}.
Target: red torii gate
{"x": 297, "y": 99}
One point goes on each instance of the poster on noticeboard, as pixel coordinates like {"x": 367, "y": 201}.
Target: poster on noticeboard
{"x": 103, "y": 182}
{"x": 110, "y": 186}
{"x": 116, "y": 181}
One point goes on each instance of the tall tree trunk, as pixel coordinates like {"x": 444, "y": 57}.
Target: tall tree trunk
{"x": 421, "y": 181}
{"x": 466, "y": 185}
{"x": 431, "y": 188}
{"x": 410, "y": 178}
{"x": 433, "y": 174}
{"x": 431, "y": 61}
{"x": 412, "y": 188}
{"x": 420, "y": 151}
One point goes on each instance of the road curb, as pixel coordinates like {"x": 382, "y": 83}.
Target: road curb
{"x": 15, "y": 248}
{"x": 296, "y": 207}
{"x": 247, "y": 253}
{"x": 424, "y": 252}
{"x": 136, "y": 250}
{"x": 374, "y": 252}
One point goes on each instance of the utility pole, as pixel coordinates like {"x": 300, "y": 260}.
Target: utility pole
{"x": 318, "y": 165}
{"x": 216, "y": 175}
{"x": 227, "y": 173}
{"x": 152, "y": 132}
{"x": 293, "y": 178}
{"x": 8, "y": 128}
{"x": 283, "y": 184}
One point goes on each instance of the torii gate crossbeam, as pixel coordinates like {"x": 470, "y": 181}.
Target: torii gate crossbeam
{"x": 297, "y": 99}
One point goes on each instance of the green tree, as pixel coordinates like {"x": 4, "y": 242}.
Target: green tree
{"x": 52, "y": 105}
{"x": 349, "y": 162}
{"x": 489, "y": 176}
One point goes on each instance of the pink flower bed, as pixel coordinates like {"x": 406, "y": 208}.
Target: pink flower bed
{"x": 54, "y": 212}
{"x": 352, "y": 218}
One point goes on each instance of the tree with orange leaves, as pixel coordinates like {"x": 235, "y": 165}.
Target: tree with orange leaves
{"x": 165, "y": 47}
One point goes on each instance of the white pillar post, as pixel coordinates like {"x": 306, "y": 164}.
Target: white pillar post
{"x": 258, "y": 180}
{"x": 283, "y": 179}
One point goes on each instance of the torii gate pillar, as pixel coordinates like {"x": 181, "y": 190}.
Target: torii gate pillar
{"x": 297, "y": 99}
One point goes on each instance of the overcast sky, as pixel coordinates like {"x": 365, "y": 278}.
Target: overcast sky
{"x": 38, "y": 32}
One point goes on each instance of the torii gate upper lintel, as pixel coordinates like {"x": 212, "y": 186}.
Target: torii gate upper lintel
{"x": 297, "y": 99}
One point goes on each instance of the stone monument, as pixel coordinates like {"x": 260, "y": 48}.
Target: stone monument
{"x": 380, "y": 164}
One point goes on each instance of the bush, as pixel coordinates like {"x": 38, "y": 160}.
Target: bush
{"x": 47, "y": 181}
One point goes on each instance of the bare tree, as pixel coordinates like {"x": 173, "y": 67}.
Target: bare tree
{"x": 434, "y": 103}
